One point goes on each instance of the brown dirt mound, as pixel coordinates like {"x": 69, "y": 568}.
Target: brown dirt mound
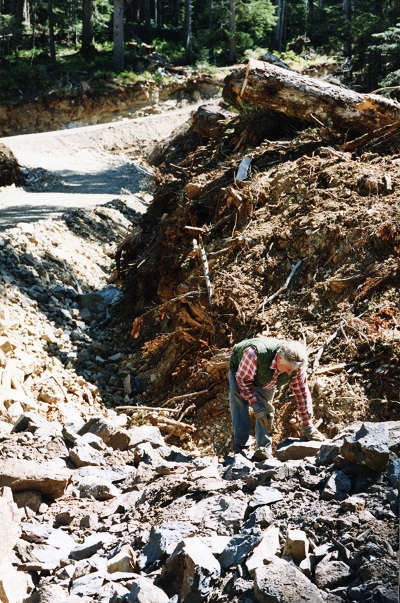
{"x": 306, "y": 247}
{"x": 10, "y": 170}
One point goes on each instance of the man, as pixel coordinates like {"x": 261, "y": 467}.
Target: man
{"x": 257, "y": 368}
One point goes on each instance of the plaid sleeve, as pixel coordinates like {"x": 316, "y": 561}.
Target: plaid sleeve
{"x": 245, "y": 375}
{"x": 301, "y": 391}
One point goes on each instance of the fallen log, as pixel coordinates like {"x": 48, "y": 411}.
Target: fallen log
{"x": 267, "y": 86}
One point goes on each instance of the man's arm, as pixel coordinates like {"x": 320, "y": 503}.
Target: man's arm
{"x": 245, "y": 375}
{"x": 299, "y": 386}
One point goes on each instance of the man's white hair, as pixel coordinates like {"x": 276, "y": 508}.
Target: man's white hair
{"x": 294, "y": 351}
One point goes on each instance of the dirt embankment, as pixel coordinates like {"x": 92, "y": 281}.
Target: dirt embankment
{"x": 306, "y": 247}
{"x": 84, "y": 107}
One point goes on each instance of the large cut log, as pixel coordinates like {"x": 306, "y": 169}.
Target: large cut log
{"x": 268, "y": 86}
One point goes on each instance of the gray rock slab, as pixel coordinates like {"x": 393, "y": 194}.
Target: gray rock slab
{"x": 337, "y": 487}
{"x": 222, "y": 513}
{"x": 264, "y": 495}
{"x": 90, "y": 546}
{"x": 240, "y": 468}
{"x": 145, "y": 433}
{"x": 369, "y": 446}
{"x": 111, "y": 474}
{"x": 295, "y": 449}
{"x": 283, "y": 582}
{"x": 88, "y": 585}
{"x": 163, "y": 541}
{"x": 99, "y": 488}
{"x": 112, "y": 435}
{"x": 190, "y": 572}
{"x": 329, "y": 574}
{"x": 237, "y": 549}
{"x": 143, "y": 590}
{"x": 50, "y": 478}
{"x": 83, "y": 455}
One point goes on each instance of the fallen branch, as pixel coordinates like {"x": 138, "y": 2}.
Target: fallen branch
{"x": 283, "y": 288}
{"x": 325, "y": 345}
{"x": 198, "y": 246}
{"x": 184, "y": 396}
{"x": 173, "y": 425}
{"x": 336, "y": 368}
{"x": 185, "y": 412}
{"x": 150, "y": 408}
{"x": 374, "y": 138}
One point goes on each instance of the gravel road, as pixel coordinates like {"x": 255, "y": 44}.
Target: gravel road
{"x": 83, "y": 167}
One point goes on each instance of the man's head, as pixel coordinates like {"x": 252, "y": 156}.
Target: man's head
{"x": 291, "y": 356}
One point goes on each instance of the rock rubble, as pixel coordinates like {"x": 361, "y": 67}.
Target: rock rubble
{"x": 96, "y": 507}
{"x": 86, "y": 519}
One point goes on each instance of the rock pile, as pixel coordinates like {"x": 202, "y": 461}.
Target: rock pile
{"x": 56, "y": 291}
{"x": 96, "y": 510}
{"x": 94, "y": 507}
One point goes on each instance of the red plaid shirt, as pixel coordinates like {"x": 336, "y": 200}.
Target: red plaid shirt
{"x": 298, "y": 384}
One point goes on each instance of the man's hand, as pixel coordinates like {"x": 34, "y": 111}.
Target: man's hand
{"x": 267, "y": 422}
{"x": 264, "y": 418}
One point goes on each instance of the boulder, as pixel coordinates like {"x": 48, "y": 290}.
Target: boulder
{"x": 282, "y": 582}
{"x": 143, "y": 590}
{"x": 190, "y": 572}
{"x": 14, "y": 585}
{"x": 112, "y": 435}
{"x": 296, "y": 546}
{"x": 294, "y": 449}
{"x": 10, "y": 524}
{"x": 368, "y": 446}
{"x": 50, "y": 478}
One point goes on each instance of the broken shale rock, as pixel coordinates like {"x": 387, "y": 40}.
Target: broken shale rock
{"x": 283, "y": 539}
{"x": 190, "y": 572}
{"x": 282, "y": 582}
{"x": 50, "y": 478}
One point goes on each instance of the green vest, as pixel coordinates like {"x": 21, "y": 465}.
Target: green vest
{"x": 266, "y": 349}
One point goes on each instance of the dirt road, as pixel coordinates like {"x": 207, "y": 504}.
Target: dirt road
{"x": 83, "y": 167}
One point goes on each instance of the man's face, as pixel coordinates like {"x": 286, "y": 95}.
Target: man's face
{"x": 284, "y": 366}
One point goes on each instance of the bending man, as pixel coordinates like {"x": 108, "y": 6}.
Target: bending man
{"x": 257, "y": 368}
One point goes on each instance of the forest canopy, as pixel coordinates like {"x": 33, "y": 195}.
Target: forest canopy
{"x": 364, "y": 38}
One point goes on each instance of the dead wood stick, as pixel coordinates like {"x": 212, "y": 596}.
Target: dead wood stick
{"x": 283, "y": 288}
{"x": 336, "y": 368}
{"x": 61, "y": 386}
{"x": 324, "y": 346}
{"x": 173, "y": 423}
{"x": 246, "y": 77}
{"x": 185, "y": 412}
{"x": 183, "y": 396}
{"x": 196, "y": 229}
{"x": 198, "y": 245}
{"x": 150, "y": 408}
{"x": 58, "y": 381}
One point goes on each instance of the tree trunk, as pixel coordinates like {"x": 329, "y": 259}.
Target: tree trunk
{"x": 315, "y": 101}
{"x": 232, "y": 32}
{"x": 280, "y": 37}
{"x": 188, "y": 30}
{"x": 52, "y": 43}
{"x": 147, "y": 13}
{"x": 347, "y": 41}
{"x": 118, "y": 49}
{"x": 175, "y": 13}
{"x": 87, "y": 48}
